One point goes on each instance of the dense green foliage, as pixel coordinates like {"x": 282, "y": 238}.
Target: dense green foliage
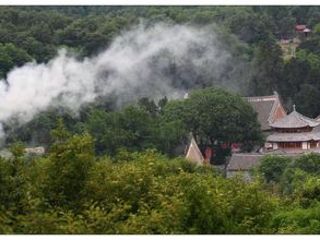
{"x": 111, "y": 170}
{"x": 217, "y": 118}
{"x": 296, "y": 181}
{"x": 134, "y": 128}
{"x": 272, "y": 167}
{"x": 164, "y": 126}
{"x": 72, "y": 191}
{"x": 251, "y": 34}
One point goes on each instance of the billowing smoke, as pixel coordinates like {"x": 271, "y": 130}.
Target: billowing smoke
{"x": 154, "y": 61}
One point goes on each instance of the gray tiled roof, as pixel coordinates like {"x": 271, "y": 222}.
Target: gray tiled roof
{"x": 243, "y": 162}
{"x": 295, "y": 120}
{"x": 247, "y": 161}
{"x": 263, "y": 110}
{"x": 293, "y": 137}
{"x": 264, "y": 106}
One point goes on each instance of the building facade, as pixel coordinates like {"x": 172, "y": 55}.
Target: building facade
{"x": 294, "y": 133}
{"x": 286, "y": 135}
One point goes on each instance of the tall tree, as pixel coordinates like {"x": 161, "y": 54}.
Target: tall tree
{"x": 70, "y": 159}
{"x": 267, "y": 68}
{"x": 217, "y": 117}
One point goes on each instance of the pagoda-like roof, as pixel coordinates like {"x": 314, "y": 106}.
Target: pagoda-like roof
{"x": 294, "y": 137}
{"x": 295, "y": 120}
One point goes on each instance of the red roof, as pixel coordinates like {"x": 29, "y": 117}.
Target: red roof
{"x": 300, "y": 27}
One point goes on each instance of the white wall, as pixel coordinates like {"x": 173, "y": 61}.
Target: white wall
{"x": 275, "y": 146}
{"x": 304, "y": 145}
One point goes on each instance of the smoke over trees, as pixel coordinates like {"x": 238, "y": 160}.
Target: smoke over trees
{"x": 154, "y": 61}
{"x": 112, "y": 56}
{"x": 98, "y": 88}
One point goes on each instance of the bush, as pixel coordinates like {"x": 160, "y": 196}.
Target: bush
{"x": 272, "y": 167}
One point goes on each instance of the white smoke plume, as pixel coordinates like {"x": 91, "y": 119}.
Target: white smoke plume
{"x": 146, "y": 61}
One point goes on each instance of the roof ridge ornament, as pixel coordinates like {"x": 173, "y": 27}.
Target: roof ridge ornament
{"x": 294, "y": 107}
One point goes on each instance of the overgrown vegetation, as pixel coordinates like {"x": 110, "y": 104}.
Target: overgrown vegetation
{"x": 296, "y": 182}
{"x": 111, "y": 170}
{"x": 70, "y": 190}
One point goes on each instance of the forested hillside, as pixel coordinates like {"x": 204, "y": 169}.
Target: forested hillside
{"x": 113, "y": 93}
{"x": 250, "y": 34}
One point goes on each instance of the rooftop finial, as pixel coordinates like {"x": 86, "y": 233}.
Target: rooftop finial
{"x": 294, "y": 107}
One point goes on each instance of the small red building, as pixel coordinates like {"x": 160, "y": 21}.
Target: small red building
{"x": 302, "y": 29}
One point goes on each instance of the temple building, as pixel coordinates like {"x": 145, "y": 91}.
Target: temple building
{"x": 268, "y": 108}
{"x": 294, "y": 133}
{"x": 286, "y": 135}
{"x": 302, "y": 30}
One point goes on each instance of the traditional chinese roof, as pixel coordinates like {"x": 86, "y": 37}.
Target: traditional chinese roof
{"x": 243, "y": 162}
{"x": 265, "y": 106}
{"x": 247, "y": 161}
{"x": 295, "y": 120}
{"x": 294, "y": 137}
{"x": 194, "y": 154}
